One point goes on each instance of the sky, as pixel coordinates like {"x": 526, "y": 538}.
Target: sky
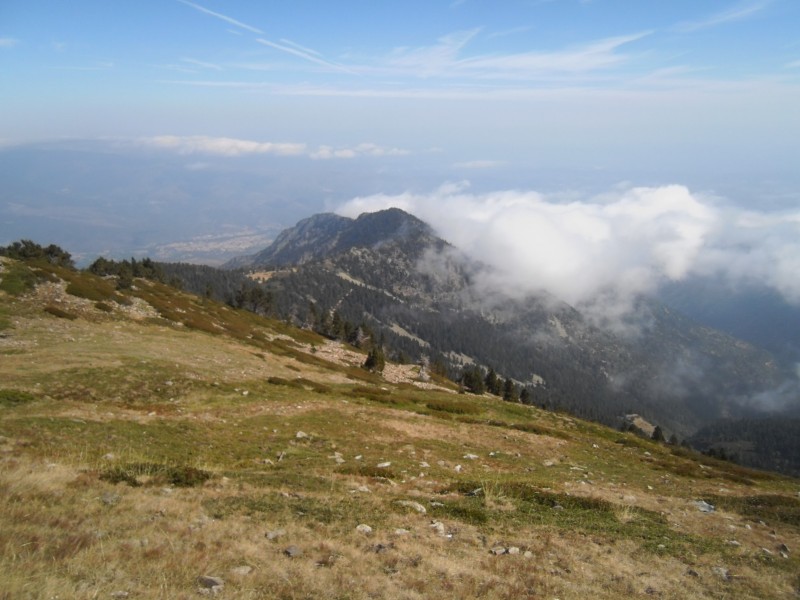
{"x": 582, "y": 144}
{"x": 589, "y": 83}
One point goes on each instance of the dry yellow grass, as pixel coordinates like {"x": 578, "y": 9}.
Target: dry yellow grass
{"x": 148, "y": 404}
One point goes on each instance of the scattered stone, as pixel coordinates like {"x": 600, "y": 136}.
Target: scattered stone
{"x": 359, "y": 457}
{"x": 384, "y": 465}
{"x": 549, "y": 463}
{"x": 339, "y": 460}
{"x": 475, "y": 492}
{"x": 120, "y": 594}
{"x": 784, "y": 548}
{"x": 300, "y": 435}
{"x": 722, "y": 572}
{"x": 413, "y": 505}
{"x": 651, "y": 591}
{"x": 438, "y": 527}
{"x": 692, "y": 573}
{"x": 595, "y": 446}
{"x": 458, "y": 468}
{"x": 734, "y": 543}
{"x": 401, "y": 531}
{"x": 245, "y": 393}
{"x": 527, "y": 554}
{"x": 293, "y": 552}
{"x": 109, "y": 456}
{"x": 498, "y": 550}
{"x": 365, "y": 529}
{"x": 381, "y": 548}
{"x": 558, "y": 507}
{"x": 513, "y": 550}
{"x": 767, "y": 552}
{"x": 704, "y": 506}
{"x": 274, "y": 535}
{"x": 363, "y": 489}
{"x": 784, "y": 554}
{"x": 424, "y": 465}
{"x": 470, "y": 456}
{"x": 436, "y": 504}
{"x": 242, "y": 570}
{"x": 210, "y": 582}
{"x": 109, "y": 499}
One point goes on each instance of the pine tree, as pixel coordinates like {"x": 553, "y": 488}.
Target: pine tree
{"x": 510, "y": 393}
{"x": 376, "y": 361}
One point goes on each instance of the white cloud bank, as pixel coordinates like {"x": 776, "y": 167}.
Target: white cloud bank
{"x": 200, "y": 144}
{"x": 611, "y": 247}
{"x": 223, "y": 146}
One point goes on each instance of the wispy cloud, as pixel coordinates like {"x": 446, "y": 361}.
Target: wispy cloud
{"x": 738, "y": 12}
{"x": 445, "y": 59}
{"x": 203, "y": 64}
{"x": 795, "y": 64}
{"x": 365, "y": 149}
{"x": 223, "y": 146}
{"x": 7, "y": 42}
{"x": 98, "y": 66}
{"x": 225, "y": 18}
{"x": 294, "y": 50}
{"x": 478, "y": 164}
{"x": 508, "y": 32}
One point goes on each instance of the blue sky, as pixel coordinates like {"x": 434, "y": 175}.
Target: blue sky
{"x": 592, "y": 84}
{"x": 658, "y": 137}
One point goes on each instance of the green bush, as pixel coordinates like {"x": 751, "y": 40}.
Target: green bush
{"x": 15, "y": 397}
{"x": 177, "y": 475}
{"x": 17, "y": 279}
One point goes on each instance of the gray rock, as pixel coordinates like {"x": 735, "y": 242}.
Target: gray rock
{"x": 413, "y": 505}
{"x": 704, "y": 506}
{"x": 293, "y": 552}
{"x": 784, "y": 548}
{"x": 109, "y": 499}
{"x": 692, "y": 573}
{"x": 242, "y": 570}
{"x": 120, "y": 594}
{"x": 513, "y": 550}
{"x": 274, "y": 535}
{"x": 300, "y": 435}
{"x": 438, "y": 527}
{"x": 722, "y": 572}
{"x": 209, "y": 581}
{"x": 498, "y": 550}
{"x": 364, "y": 528}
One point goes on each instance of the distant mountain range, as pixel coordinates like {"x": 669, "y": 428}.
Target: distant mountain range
{"x": 390, "y": 271}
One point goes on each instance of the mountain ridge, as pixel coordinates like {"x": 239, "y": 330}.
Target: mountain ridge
{"x": 677, "y": 372}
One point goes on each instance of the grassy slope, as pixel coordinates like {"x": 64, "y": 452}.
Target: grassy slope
{"x": 111, "y": 415}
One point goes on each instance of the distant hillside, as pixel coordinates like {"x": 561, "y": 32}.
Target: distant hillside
{"x": 425, "y": 298}
{"x": 762, "y": 443}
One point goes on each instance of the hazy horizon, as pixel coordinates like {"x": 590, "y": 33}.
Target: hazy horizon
{"x": 631, "y": 143}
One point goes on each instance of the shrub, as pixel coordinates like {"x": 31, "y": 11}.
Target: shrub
{"x": 15, "y": 397}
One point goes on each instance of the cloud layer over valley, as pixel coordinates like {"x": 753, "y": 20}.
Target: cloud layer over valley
{"x": 614, "y": 246}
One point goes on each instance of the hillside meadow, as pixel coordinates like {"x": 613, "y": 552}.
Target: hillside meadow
{"x": 154, "y": 444}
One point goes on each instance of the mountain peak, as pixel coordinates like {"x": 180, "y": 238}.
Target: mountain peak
{"x": 325, "y": 234}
